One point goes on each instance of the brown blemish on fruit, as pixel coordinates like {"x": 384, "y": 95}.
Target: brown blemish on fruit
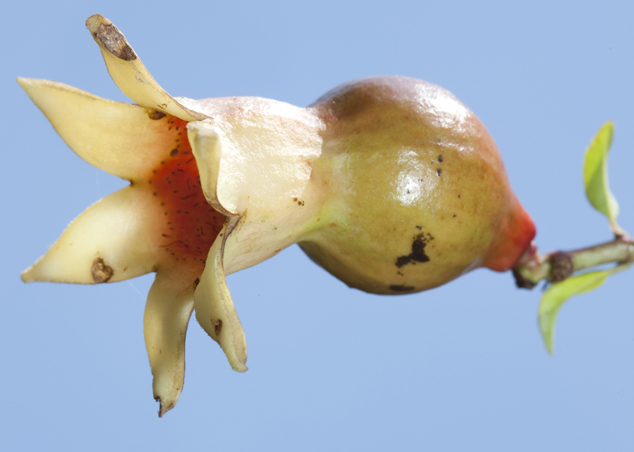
{"x": 401, "y": 288}
{"x": 301, "y": 203}
{"x": 439, "y": 171}
{"x": 113, "y": 40}
{"x": 196, "y": 282}
{"x": 420, "y": 228}
{"x": 418, "y": 251}
{"x": 351, "y": 102}
{"x": 440, "y": 158}
{"x": 100, "y": 271}
{"x": 217, "y": 326}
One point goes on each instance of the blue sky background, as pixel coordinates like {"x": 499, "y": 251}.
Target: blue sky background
{"x": 461, "y": 367}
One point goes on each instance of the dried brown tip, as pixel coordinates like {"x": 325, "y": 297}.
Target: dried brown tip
{"x": 164, "y": 408}
{"x": 109, "y": 36}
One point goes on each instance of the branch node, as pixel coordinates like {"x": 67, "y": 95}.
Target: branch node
{"x": 561, "y": 266}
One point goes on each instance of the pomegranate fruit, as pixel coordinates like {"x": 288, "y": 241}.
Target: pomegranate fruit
{"x": 390, "y": 183}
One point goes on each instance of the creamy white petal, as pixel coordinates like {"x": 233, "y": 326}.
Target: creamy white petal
{"x": 214, "y": 308}
{"x": 206, "y": 144}
{"x": 267, "y": 150}
{"x": 255, "y": 158}
{"x": 123, "y": 139}
{"x": 129, "y": 73}
{"x": 169, "y": 306}
{"x": 111, "y": 241}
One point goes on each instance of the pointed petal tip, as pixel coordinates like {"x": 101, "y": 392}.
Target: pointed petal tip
{"x": 164, "y": 407}
{"x": 26, "y": 83}
{"x": 107, "y": 35}
{"x": 95, "y": 20}
{"x": 27, "y": 275}
{"x": 239, "y": 367}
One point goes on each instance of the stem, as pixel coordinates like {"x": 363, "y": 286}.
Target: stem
{"x": 559, "y": 265}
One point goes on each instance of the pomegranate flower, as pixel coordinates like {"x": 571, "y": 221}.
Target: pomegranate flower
{"x": 200, "y": 191}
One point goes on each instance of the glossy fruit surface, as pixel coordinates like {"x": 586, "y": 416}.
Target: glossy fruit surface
{"x": 416, "y": 189}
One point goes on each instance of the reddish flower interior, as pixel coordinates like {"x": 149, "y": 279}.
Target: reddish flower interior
{"x": 191, "y": 224}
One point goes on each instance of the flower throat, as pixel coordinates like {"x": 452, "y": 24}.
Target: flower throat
{"x": 191, "y": 224}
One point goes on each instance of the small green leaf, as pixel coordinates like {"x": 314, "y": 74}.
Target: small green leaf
{"x": 595, "y": 176}
{"x": 557, "y": 295}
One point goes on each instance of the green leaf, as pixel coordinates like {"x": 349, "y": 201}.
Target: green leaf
{"x": 557, "y": 295}
{"x": 595, "y": 176}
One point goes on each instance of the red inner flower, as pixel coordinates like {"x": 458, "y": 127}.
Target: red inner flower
{"x": 191, "y": 224}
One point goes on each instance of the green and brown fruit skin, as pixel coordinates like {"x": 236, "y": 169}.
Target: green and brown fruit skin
{"x": 416, "y": 191}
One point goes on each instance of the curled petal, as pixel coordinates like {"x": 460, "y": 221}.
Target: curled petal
{"x": 266, "y": 154}
{"x": 256, "y": 158}
{"x": 111, "y": 241}
{"x": 206, "y": 146}
{"x": 169, "y": 306}
{"x": 130, "y": 74}
{"x": 124, "y": 140}
{"x": 214, "y": 308}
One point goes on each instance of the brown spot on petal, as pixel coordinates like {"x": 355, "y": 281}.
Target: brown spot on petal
{"x": 113, "y": 40}
{"x": 100, "y": 271}
{"x": 155, "y": 114}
